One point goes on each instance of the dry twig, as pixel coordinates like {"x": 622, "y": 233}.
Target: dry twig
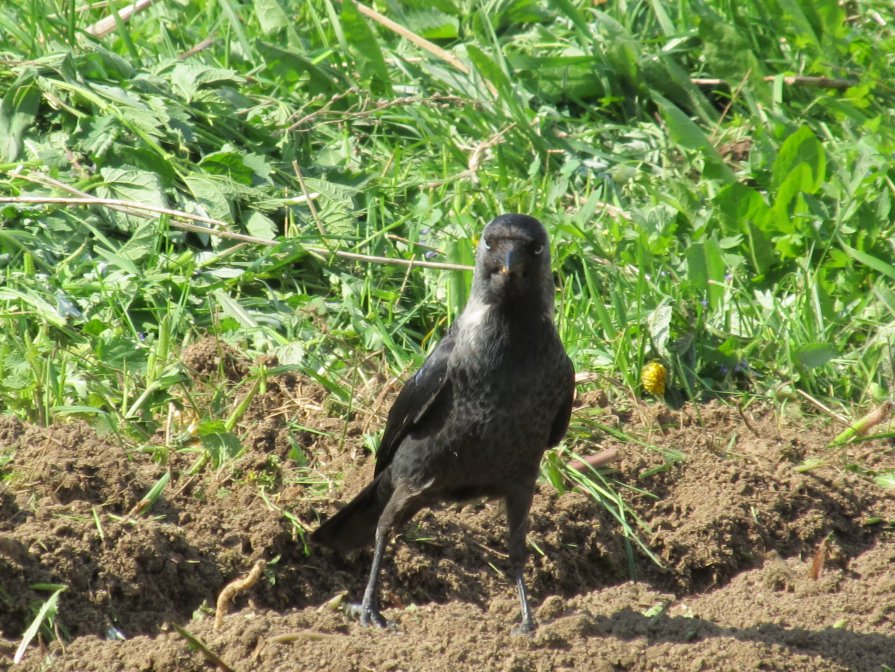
{"x": 789, "y": 80}
{"x": 107, "y": 24}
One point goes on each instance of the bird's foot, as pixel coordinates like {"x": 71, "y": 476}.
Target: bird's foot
{"x": 369, "y": 616}
{"x": 525, "y": 629}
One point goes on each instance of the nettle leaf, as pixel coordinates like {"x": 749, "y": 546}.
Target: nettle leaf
{"x": 247, "y": 169}
{"x": 141, "y": 242}
{"x": 131, "y": 184}
{"x": 132, "y": 110}
{"x": 332, "y": 190}
{"x": 210, "y": 194}
{"x": 658, "y": 322}
{"x": 432, "y": 24}
{"x": 271, "y": 16}
{"x": 190, "y": 78}
{"x": 99, "y": 134}
{"x": 100, "y": 63}
{"x": 18, "y": 110}
{"x": 261, "y": 226}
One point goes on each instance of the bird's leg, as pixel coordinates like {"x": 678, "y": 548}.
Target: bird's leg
{"x": 517, "y": 522}
{"x": 369, "y": 609}
{"x": 398, "y": 510}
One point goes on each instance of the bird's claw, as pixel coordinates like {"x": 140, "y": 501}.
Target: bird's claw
{"x": 369, "y": 616}
{"x": 524, "y": 629}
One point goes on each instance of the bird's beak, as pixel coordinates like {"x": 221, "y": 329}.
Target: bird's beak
{"x": 509, "y": 263}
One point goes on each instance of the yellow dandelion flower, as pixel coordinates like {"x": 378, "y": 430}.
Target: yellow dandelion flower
{"x": 653, "y": 378}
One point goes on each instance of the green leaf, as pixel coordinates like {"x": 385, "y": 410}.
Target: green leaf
{"x": 271, "y": 16}
{"x": 209, "y": 191}
{"x": 190, "y": 78}
{"x": 742, "y": 209}
{"x": 576, "y": 17}
{"x": 151, "y": 497}
{"x": 261, "y": 226}
{"x": 290, "y": 66}
{"x": 47, "y": 612}
{"x": 141, "y": 243}
{"x": 221, "y": 446}
{"x": 18, "y": 111}
{"x": 44, "y": 310}
{"x": 802, "y": 147}
{"x": 239, "y": 166}
{"x": 131, "y": 184}
{"x": 488, "y": 69}
{"x": 431, "y": 23}
{"x": 686, "y": 133}
{"x": 814, "y": 355}
{"x": 101, "y": 133}
{"x": 797, "y": 182}
{"x": 367, "y": 53}
{"x": 792, "y": 16}
{"x": 658, "y": 323}
{"x": 885, "y": 480}
{"x": 231, "y": 308}
{"x": 706, "y": 269}
{"x": 869, "y": 260}
{"x": 556, "y": 78}
{"x": 726, "y": 48}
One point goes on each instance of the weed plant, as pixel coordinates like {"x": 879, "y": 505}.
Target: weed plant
{"x": 717, "y": 178}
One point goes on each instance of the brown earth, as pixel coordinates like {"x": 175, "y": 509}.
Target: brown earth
{"x": 764, "y": 568}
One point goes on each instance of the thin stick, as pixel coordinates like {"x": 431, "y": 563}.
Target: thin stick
{"x": 311, "y": 206}
{"x": 826, "y": 409}
{"x": 136, "y": 208}
{"x": 106, "y": 25}
{"x": 192, "y": 51}
{"x": 412, "y": 37}
{"x": 789, "y": 80}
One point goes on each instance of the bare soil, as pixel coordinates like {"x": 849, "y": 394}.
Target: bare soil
{"x": 764, "y": 568}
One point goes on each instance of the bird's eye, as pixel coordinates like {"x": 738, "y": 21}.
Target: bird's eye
{"x": 539, "y": 250}
{"x": 487, "y": 243}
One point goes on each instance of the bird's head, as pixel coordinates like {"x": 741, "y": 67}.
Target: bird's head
{"x": 513, "y": 264}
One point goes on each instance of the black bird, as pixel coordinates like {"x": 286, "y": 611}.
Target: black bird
{"x": 476, "y": 419}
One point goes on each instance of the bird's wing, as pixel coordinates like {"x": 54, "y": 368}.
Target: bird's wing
{"x": 415, "y": 399}
{"x": 561, "y": 421}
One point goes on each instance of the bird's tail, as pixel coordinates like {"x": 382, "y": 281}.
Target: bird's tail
{"x": 355, "y": 525}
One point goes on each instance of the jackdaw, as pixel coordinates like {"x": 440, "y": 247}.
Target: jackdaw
{"x": 476, "y": 419}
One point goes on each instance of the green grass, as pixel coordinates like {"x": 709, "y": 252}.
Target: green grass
{"x": 739, "y": 231}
